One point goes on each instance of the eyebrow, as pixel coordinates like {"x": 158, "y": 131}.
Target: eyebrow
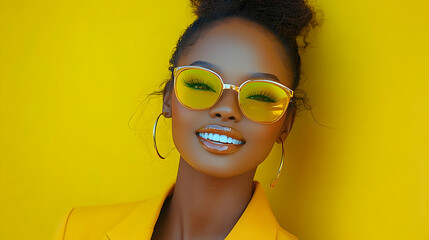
{"x": 257, "y": 75}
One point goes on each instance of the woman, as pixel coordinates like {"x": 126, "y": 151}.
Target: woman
{"x": 231, "y": 97}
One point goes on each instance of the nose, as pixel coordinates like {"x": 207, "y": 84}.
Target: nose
{"x": 227, "y": 107}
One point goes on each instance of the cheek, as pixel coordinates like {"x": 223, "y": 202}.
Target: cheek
{"x": 184, "y": 125}
{"x": 268, "y": 133}
{"x": 178, "y": 120}
{"x": 262, "y": 139}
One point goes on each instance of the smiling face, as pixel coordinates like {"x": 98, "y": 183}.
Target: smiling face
{"x": 237, "y": 50}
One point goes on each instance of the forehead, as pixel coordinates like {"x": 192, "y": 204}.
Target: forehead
{"x": 239, "y": 47}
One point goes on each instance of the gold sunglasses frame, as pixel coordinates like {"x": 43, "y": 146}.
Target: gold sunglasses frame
{"x": 180, "y": 69}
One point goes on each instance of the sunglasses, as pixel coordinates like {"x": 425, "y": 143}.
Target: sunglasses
{"x": 262, "y": 101}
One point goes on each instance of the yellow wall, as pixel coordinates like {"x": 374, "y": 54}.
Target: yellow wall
{"x": 73, "y": 72}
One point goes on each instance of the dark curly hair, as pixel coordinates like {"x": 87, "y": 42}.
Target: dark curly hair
{"x": 289, "y": 20}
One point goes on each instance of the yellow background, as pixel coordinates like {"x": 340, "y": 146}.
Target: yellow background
{"x": 72, "y": 73}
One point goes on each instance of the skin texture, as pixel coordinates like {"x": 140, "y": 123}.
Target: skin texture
{"x": 213, "y": 190}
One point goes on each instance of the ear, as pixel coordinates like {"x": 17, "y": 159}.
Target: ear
{"x": 287, "y": 125}
{"x": 166, "y": 106}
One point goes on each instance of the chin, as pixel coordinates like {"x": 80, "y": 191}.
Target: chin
{"x": 219, "y": 166}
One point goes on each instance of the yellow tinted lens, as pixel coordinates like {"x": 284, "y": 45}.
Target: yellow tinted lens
{"x": 263, "y": 101}
{"x": 197, "y": 88}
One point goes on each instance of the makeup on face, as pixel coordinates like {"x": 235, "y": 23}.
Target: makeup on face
{"x": 220, "y": 139}
{"x": 206, "y": 109}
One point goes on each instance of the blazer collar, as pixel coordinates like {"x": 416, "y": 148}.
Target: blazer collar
{"x": 256, "y": 222}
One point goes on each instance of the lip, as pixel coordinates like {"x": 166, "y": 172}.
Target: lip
{"x": 219, "y": 147}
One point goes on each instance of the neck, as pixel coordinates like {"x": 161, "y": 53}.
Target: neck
{"x": 204, "y": 205}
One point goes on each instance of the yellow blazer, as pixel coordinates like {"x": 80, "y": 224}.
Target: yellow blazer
{"x": 136, "y": 220}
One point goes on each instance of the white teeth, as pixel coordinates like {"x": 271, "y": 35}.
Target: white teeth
{"x": 216, "y": 137}
{"x": 219, "y": 138}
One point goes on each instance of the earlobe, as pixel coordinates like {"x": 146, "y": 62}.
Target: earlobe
{"x": 287, "y": 126}
{"x": 166, "y": 106}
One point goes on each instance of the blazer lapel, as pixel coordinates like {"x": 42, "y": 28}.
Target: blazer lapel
{"x": 256, "y": 222}
{"x": 140, "y": 222}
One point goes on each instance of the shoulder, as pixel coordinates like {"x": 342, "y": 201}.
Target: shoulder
{"x": 282, "y": 234}
{"x": 91, "y": 222}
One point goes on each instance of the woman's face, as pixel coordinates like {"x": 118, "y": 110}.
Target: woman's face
{"x": 235, "y": 49}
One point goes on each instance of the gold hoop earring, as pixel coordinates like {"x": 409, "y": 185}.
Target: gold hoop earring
{"x": 154, "y": 134}
{"x": 280, "y": 168}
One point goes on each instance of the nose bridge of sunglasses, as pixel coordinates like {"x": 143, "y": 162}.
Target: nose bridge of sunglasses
{"x": 230, "y": 86}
